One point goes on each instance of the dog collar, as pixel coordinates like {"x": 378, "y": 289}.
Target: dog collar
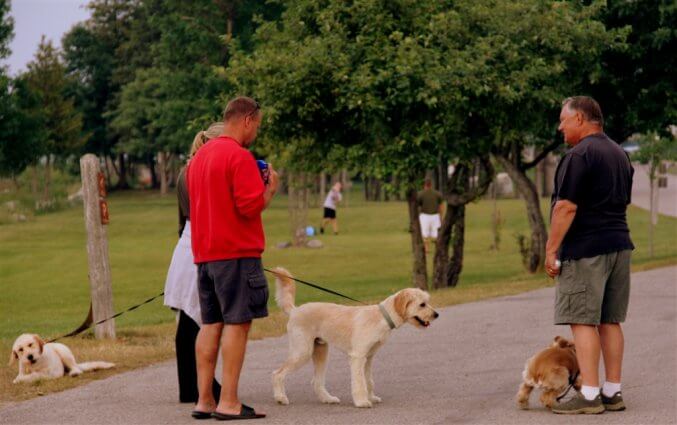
{"x": 386, "y": 316}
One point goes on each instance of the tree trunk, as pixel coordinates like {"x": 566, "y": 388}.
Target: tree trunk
{"x": 122, "y": 173}
{"x": 443, "y": 175}
{"x": 455, "y": 265}
{"x": 539, "y": 234}
{"x": 496, "y": 221}
{"x": 458, "y": 193}
{"x": 150, "y": 163}
{"x": 34, "y": 180}
{"x": 396, "y": 185}
{"x": 106, "y": 163}
{"x": 48, "y": 177}
{"x": 162, "y": 159}
{"x": 420, "y": 276}
{"x": 653, "y": 203}
{"x": 441, "y": 260}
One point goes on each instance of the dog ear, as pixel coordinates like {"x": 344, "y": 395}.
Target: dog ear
{"x": 402, "y": 300}
{"x": 40, "y": 342}
{"x": 561, "y": 342}
{"x": 13, "y": 357}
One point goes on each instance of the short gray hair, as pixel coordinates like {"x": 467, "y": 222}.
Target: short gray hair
{"x": 586, "y": 106}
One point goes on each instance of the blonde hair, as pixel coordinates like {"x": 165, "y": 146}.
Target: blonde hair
{"x": 214, "y": 130}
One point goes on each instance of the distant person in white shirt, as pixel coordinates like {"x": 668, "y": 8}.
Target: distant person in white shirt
{"x": 430, "y": 207}
{"x": 333, "y": 198}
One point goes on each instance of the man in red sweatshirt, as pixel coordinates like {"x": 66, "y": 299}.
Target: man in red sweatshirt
{"x": 227, "y": 195}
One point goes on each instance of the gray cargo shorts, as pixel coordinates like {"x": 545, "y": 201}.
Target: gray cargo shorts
{"x": 593, "y": 290}
{"x": 232, "y": 291}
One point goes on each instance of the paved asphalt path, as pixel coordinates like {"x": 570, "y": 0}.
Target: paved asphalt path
{"x": 465, "y": 368}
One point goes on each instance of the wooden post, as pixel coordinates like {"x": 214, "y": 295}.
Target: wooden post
{"x": 96, "y": 216}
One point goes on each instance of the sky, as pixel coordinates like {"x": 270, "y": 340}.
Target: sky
{"x": 32, "y": 19}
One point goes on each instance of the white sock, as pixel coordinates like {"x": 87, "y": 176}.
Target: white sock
{"x": 611, "y": 388}
{"x": 590, "y": 393}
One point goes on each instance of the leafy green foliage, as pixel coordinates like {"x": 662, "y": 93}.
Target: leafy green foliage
{"x": 6, "y": 28}
{"x": 62, "y": 123}
{"x": 636, "y": 88}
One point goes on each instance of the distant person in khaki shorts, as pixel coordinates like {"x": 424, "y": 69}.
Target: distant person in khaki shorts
{"x": 588, "y": 251}
{"x": 430, "y": 204}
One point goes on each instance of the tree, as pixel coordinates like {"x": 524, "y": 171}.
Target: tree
{"x": 521, "y": 59}
{"x": 359, "y": 82}
{"x": 62, "y": 131}
{"x": 458, "y": 193}
{"x": 653, "y": 151}
{"x": 21, "y": 129}
{"x": 180, "y": 86}
{"x": 101, "y": 55}
{"x": 636, "y": 86}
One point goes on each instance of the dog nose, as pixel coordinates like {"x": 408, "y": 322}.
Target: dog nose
{"x": 30, "y": 357}
{"x": 436, "y": 315}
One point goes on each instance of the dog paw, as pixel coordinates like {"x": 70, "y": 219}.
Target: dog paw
{"x": 363, "y": 403}
{"x": 331, "y": 400}
{"x": 375, "y": 399}
{"x": 282, "y": 399}
{"x": 523, "y": 405}
{"x": 75, "y": 372}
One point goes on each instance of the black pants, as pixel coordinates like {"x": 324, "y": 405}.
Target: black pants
{"x": 186, "y": 334}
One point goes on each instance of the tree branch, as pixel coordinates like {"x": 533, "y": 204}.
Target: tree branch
{"x": 551, "y": 147}
{"x": 456, "y": 199}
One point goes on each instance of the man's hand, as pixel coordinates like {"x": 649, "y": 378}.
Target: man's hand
{"x": 271, "y": 188}
{"x": 551, "y": 267}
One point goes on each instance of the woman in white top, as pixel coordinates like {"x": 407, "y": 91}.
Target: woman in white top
{"x": 181, "y": 292}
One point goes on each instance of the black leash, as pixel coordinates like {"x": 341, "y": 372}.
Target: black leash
{"x": 315, "y": 286}
{"x": 88, "y": 322}
{"x": 572, "y": 381}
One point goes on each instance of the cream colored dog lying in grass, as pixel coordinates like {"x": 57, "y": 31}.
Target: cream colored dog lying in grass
{"x": 38, "y": 360}
{"x": 357, "y": 331}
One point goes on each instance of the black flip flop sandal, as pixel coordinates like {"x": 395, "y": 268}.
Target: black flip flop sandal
{"x": 196, "y": 414}
{"x": 245, "y": 413}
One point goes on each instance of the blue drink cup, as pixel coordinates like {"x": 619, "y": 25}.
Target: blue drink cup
{"x": 264, "y": 170}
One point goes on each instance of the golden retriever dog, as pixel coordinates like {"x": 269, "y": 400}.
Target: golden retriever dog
{"x": 357, "y": 331}
{"x": 38, "y": 360}
{"x": 549, "y": 370}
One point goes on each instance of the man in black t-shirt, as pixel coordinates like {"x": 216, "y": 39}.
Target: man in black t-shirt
{"x": 588, "y": 250}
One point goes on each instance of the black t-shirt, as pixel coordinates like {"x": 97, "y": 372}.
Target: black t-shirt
{"x": 596, "y": 175}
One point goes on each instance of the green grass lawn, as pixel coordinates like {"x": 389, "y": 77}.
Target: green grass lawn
{"x": 43, "y": 263}
{"x": 44, "y": 286}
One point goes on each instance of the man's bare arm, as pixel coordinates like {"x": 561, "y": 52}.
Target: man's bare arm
{"x": 562, "y": 216}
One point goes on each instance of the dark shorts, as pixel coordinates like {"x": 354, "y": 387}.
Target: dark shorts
{"x": 232, "y": 291}
{"x": 329, "y": 213}
{"x": 593, "y": 290}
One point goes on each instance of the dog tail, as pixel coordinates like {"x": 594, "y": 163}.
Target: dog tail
{"x": 95, "y": 366}
{"x": 285, "y": 290}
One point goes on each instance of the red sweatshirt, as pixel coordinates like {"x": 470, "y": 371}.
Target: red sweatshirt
{"x": 226, "y": 199}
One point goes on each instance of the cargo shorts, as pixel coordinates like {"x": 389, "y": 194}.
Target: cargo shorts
{"x": 593, "y": 290}
{"x": 232, "y": 291}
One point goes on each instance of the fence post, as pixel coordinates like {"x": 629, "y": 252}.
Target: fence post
{"x": 96, "y": 216}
